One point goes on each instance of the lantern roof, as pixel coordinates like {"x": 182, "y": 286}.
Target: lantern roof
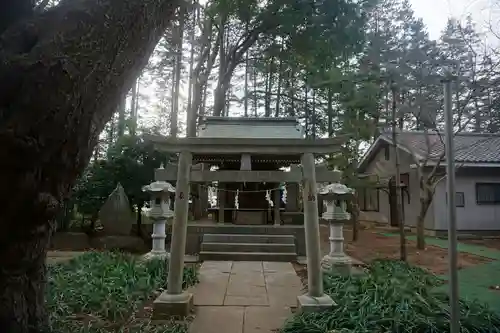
{"x": 158, "y": 186}
{"x": 335, "y": 188}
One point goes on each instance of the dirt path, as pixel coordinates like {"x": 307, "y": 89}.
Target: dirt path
{"x": 372, "y": 245}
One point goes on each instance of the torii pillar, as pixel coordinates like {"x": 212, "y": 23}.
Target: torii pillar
{"x": 315, "y": 299}
{"x": 173, "y": 301}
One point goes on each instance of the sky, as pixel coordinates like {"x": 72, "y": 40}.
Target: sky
{"x": 435, "y": 13}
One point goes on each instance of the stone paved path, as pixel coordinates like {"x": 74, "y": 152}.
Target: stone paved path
{"x": 244, "y": 297}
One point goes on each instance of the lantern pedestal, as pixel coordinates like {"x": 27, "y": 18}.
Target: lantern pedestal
{"x": 158, "y": 237}
{"x": 336, "y": 196}
{"x": 159, "y": 214}
{"x": 307, "y": 303}
{"x": 336, "y": 259}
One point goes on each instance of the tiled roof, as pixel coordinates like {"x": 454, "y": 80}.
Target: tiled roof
{"x": 241, "y": 127}
{"x": 469, "y": 147}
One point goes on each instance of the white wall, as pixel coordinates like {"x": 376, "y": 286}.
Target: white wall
{"x": 472, "y": 216}
{"x": 386, "y": 168}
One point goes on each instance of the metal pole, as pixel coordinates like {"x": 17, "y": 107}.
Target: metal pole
{"x": 397, "y": 178}
{"x": 452, "y": 212}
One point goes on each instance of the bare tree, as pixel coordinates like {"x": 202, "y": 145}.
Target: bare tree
{"x": 427, "y": 182}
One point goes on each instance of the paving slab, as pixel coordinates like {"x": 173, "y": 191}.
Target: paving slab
{"x": 283, "y": 279}
{"x": 248, "y": 279}
{"x": 260, "y": 319}
{"x": 244, "y": 297}
{"x": 214, "y": 279}
{"x": 209, "y": 295}
{"x": 273, "y": 267}
{"x": 220, "y": 266}
{"x": 240, "y": 289}
{"x": 246, "y": 266}
{"x": 284, "y": 296}
{"x": 258, "y": 300}
{"x": 218, "y": 319}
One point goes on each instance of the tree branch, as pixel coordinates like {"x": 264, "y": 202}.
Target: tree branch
{"x": 12, "y": 11}
{"x": 90, "y": 52}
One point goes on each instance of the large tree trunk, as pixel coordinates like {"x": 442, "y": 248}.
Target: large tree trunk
{"x": 269, "y": 88}
{"x": 291, "y": 94}
{"x": 330, "y": 112}
{"x": 176, "y": 75}
{"x": 201, "y": 73}
{"x": 22, "y": 280}
{"x": 246, "y": 91}
{"x": 62, "y": 74}
{"x": 254, "y": 87}
{"x": 313, "y": 115}
{"x": 306, "y": 110}
{"x": 222, "y": 84}
{"x": 121, "y": 118}
{"x": 228, "y": 62}
{"x": 192, "y": 33}
{"x": 133, "y": 108}
{"x": 278, "y": 93}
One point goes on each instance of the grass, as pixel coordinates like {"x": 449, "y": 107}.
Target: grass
{"x": 474, "y": 249}
{"x": 475, "y": 281}
{"x": 391, "y": 297}
{"x": 100, "y": 292}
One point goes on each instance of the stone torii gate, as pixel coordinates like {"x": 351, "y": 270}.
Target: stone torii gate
{"x": 198, "y": 175}
{"x": 176, "y": 302}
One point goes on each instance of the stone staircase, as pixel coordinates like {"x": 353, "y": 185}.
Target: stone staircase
{"x": 248, "y": 247}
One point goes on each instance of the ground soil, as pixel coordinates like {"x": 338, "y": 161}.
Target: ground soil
{"x": 372, "y": 245}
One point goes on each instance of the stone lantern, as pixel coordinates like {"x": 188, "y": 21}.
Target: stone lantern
{"x": 159, "y": 214}
{"x": 336, "y": 196}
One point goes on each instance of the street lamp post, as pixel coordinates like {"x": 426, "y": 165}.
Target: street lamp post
{"x": 451, "y": 212}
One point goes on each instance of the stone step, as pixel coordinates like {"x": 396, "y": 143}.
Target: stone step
{"x": 247, "y": 229}
{"x": 254, "y": 239}
{"x": 247, "y": 256}
{"x": 248, "y": 247}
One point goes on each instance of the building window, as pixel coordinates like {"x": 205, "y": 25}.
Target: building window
{"x": 459, "y": 199}
{"x": 488, "y": 193}
{"x": 369, "y": 200}
{"x": 387, "y": 153}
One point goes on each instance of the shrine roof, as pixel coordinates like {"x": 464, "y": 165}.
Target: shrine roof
{"x": 251, "y": 128}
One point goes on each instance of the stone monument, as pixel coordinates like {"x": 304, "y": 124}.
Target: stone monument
{"x": 115, "y": 215}
{"x": 336, "y": 196}
{"x": 159, "y": 214}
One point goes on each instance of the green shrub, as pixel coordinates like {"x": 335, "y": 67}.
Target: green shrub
{"x": 391, "y": 297}
{"x": 104, "y": 289}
